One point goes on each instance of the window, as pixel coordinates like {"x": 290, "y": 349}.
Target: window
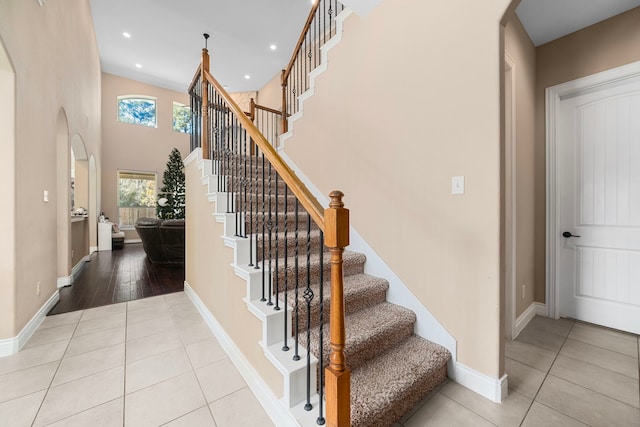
{"x": 136, "y": 197}
{"x": 181, "y": 118}
{"x": 137, "y": 110}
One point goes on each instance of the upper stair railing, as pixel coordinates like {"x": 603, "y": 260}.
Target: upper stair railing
{"x": 318, "y": 29}
{"x": 288, "y": 233}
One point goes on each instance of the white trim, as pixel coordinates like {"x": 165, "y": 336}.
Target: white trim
{"x": 494, "y": 389}
{"x": 554, "y": 95}
{"x": 133, "y": 241}
{"x": 13, "y": 345}
{"x": 195, "y": 155}
{"x": 510, "y": 210}
{"x": 92, "y": 249}
{"x": 274, "y": 408}
{"x": 523, "y": 320}
{"x": 541, "y": 309}
{"x": 75, "y": 272}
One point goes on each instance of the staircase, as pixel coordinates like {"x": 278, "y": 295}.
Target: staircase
{"x": 391, "y": 367}
{"x": 280, "y": 250}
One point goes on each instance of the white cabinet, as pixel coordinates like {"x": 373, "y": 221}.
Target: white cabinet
{"x": 104, "y": 236}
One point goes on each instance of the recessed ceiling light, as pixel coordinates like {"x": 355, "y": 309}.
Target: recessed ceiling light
{"x": 138, "y": 66}
{"x": 247, "y": 76}
{"x": 127, "y": 35}
{"x": 273, "y": 47}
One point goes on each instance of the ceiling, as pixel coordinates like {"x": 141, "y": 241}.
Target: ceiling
{"x": 166, "y": 35}
{"x": 166, "y": 39}
{"x": 547, "y": 20}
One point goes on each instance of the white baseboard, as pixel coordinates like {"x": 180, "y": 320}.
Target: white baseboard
{"x": 92, "y": 249}
{"x": 541, "y": 309}
{"x": 13, "y": 345}
{"x": 75, "y": 272}
{"x": 523, "y": 320}
{"x": 494, "y": 389}
{"x": 274, "y": 408}
{"x": 132, "y": 241}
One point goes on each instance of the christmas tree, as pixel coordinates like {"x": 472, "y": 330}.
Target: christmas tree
{"x": 170, "y": 203}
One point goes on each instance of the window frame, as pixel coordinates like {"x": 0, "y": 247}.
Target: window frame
{"x": 173, "y": 117}
{"x": 155, "y": 194}
{"x": 138, "y": 97}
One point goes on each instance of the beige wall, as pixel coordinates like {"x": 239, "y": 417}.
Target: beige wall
{"x": 134, "y": 147}
{"x": 521, "y": 50}
{"x": 271, "y": 94}
{"x": 7, "y": 177}
{"x": 55, "y": 58}
{"x": 208, "y": 271}
{"x": 393, "y": 145}
{"x": 602, "y": 46}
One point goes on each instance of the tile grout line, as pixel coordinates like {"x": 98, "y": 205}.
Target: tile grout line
{"x": 547, "y": 374}
{"x": 56, "y": 372}
{"x": 124, "y": 372}
{"x": 193, "y": 370}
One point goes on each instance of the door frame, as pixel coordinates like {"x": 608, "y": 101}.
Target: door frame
{"x": 555, "y": 95}
{"x": 510, "y": 197}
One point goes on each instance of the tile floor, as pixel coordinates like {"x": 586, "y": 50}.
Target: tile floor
{"x": 149, "y": 362}
{"x": 561, "y": 373}
{"x": 154, "y": 362}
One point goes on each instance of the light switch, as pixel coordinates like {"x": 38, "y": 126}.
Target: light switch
{"x": 45, "y": 196}
{"x": 457, "y": 185}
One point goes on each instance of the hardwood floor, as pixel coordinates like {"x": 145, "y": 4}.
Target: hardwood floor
{"x": 118, "y": 276}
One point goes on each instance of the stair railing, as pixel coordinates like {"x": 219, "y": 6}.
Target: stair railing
{"x": 318, "y": 29}
{"x": 288, "y": 232}
{"x": 267, "y": 120}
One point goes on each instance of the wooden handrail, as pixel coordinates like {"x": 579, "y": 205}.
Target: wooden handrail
{"x": 194, "y": 80}
{"x": 308, "y": 201}
{"x": 270, "y": 110}
{"x": 303, "y": 34}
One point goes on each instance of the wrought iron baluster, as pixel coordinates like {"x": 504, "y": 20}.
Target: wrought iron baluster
{"x": 277, "y": 282}
{"x": 320, "y": 420}
{"x": 296, "y": 355}
{"x": 252, "y": 190}
{"x": 264, "y": 225}
{"x": 308, "y": 296}
{"x": 285, "y": 347}
{"x": 270, "y": 228}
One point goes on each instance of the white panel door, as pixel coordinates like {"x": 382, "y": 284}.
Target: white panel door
{"x": 599, "y": 189}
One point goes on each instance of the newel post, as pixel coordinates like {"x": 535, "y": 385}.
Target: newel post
{"x": 205, "y": 102}
{"x": 338, "y": 377}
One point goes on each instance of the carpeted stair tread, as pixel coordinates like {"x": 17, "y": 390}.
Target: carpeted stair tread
{"x": 385, "y": 388}
{"x": 360, "y": 291}
{"x": 278, "y": 243}
{"x": 369, "y": 332}
{"x": 353, "y": 263}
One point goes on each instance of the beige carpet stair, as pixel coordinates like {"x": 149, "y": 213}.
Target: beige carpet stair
{"x": 391, "y": 367}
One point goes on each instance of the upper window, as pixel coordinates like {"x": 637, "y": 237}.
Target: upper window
{"x": 181, "y": 118}
{"x": 137, "y": 110}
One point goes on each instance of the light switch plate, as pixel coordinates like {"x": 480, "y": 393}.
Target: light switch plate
{"x": 457, "y": 185}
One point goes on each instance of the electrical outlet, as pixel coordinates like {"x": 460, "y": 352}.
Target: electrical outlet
{"x": 38, "y": 288}
{"x": 523, "y": 286}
